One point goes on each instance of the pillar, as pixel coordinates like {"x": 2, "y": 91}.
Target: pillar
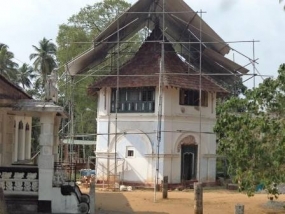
{"x": 15, "y": 147}
{"x": 198, "y": 198}
{"x": 239, "y": 209}
{"x": 92, "y": 196}
{"x": 57, "y": 120}
{"x": 21, "y": 141}
{"x": 46, "y": 161}
{"x": 165, "y": 187}
{"x": 27, "y": 141}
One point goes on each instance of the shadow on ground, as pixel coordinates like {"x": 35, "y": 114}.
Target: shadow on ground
{"x": 115, "y": 203}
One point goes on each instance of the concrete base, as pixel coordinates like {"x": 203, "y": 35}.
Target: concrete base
{"x": 63, "y": 203}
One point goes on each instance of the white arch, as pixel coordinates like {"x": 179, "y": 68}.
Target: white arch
{"x": 187, "y": 139}
{"x": 138, "y": 132}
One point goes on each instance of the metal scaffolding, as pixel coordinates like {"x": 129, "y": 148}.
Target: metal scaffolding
{"x": 113, "y": 62}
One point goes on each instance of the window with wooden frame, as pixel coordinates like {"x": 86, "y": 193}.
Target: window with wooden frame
{"x": 191, "y": 97}
{"x": 133, "y": 100}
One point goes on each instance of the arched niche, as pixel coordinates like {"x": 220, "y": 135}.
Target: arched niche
{"x": 21, "y": 125}
{"x": 27, "y": 127}
{"x": 188, "y": 140}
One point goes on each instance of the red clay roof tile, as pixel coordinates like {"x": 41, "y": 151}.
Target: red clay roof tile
{"x": 143, "y": 70}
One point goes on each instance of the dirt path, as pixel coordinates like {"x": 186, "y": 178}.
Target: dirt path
{"x": 215, "y": 202}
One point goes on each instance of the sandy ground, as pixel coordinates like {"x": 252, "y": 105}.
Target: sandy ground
{"x": 215, "y": 202}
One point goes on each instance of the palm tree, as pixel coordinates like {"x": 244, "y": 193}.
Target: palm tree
{"x": 44, "y": 57}
{"x": 8, "y": 68}
{"x": 37, "y": 90}
{"x": 25, "y": 75}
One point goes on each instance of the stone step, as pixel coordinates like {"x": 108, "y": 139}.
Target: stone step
{"x": 21, "y": 204}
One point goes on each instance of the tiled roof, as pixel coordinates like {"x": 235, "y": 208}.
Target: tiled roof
{"x": 143, "y": 70}
{"x": 9, "y": 90}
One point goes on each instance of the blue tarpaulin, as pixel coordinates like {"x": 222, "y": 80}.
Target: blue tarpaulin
{"x": 87, "y": 172}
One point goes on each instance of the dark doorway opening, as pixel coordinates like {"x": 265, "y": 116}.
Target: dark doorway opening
{"x": 188, "y": 162}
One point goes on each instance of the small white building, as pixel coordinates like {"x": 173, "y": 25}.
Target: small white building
{"x": 150, "y": 117}
{"x": 32, "y": 184}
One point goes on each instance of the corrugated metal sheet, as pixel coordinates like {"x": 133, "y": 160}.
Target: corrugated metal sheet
{"x": 220, "y": 59}
{"x": 179, "y": 20}
{"x": 79, "y": 142}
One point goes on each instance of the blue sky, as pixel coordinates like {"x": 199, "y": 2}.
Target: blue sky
{"x": 24, "y": 22}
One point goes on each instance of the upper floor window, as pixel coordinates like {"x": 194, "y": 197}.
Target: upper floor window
{"x": 134, "y": 99}
{"x": 191, "y": 98}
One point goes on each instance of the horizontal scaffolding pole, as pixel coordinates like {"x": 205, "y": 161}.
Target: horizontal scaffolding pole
{"x": 157, "y": 74}
{"x": 168, "y": 12}
{"x": 116, "y": 32}
{"x": 139, "y": 133}
{"x": 161, "y": 41}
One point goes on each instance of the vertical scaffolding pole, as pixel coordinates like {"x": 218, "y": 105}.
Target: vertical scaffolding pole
{"x": 200, "y": 98}
{"x": 117, "y": 99}
{"x": 253, "y": 62}
{"x": 72, "y": 120}
{"x": 109, "y": 122}
{"x": 159, "y": 113}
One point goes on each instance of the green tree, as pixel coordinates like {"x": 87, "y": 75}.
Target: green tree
{"x": 44, "y": 58}
{"x": 25, "y": 76}
{"x": 75, "y": 37}
{"x": 8, "y": 68}
{"x": 250, "y": 132}
{"x": 37, "y": 91}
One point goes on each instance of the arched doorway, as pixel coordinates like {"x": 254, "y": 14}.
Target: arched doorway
{"x": 189, "y": 152}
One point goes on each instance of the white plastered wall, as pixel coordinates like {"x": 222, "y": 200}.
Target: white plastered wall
{"x": 175, "y": 121}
